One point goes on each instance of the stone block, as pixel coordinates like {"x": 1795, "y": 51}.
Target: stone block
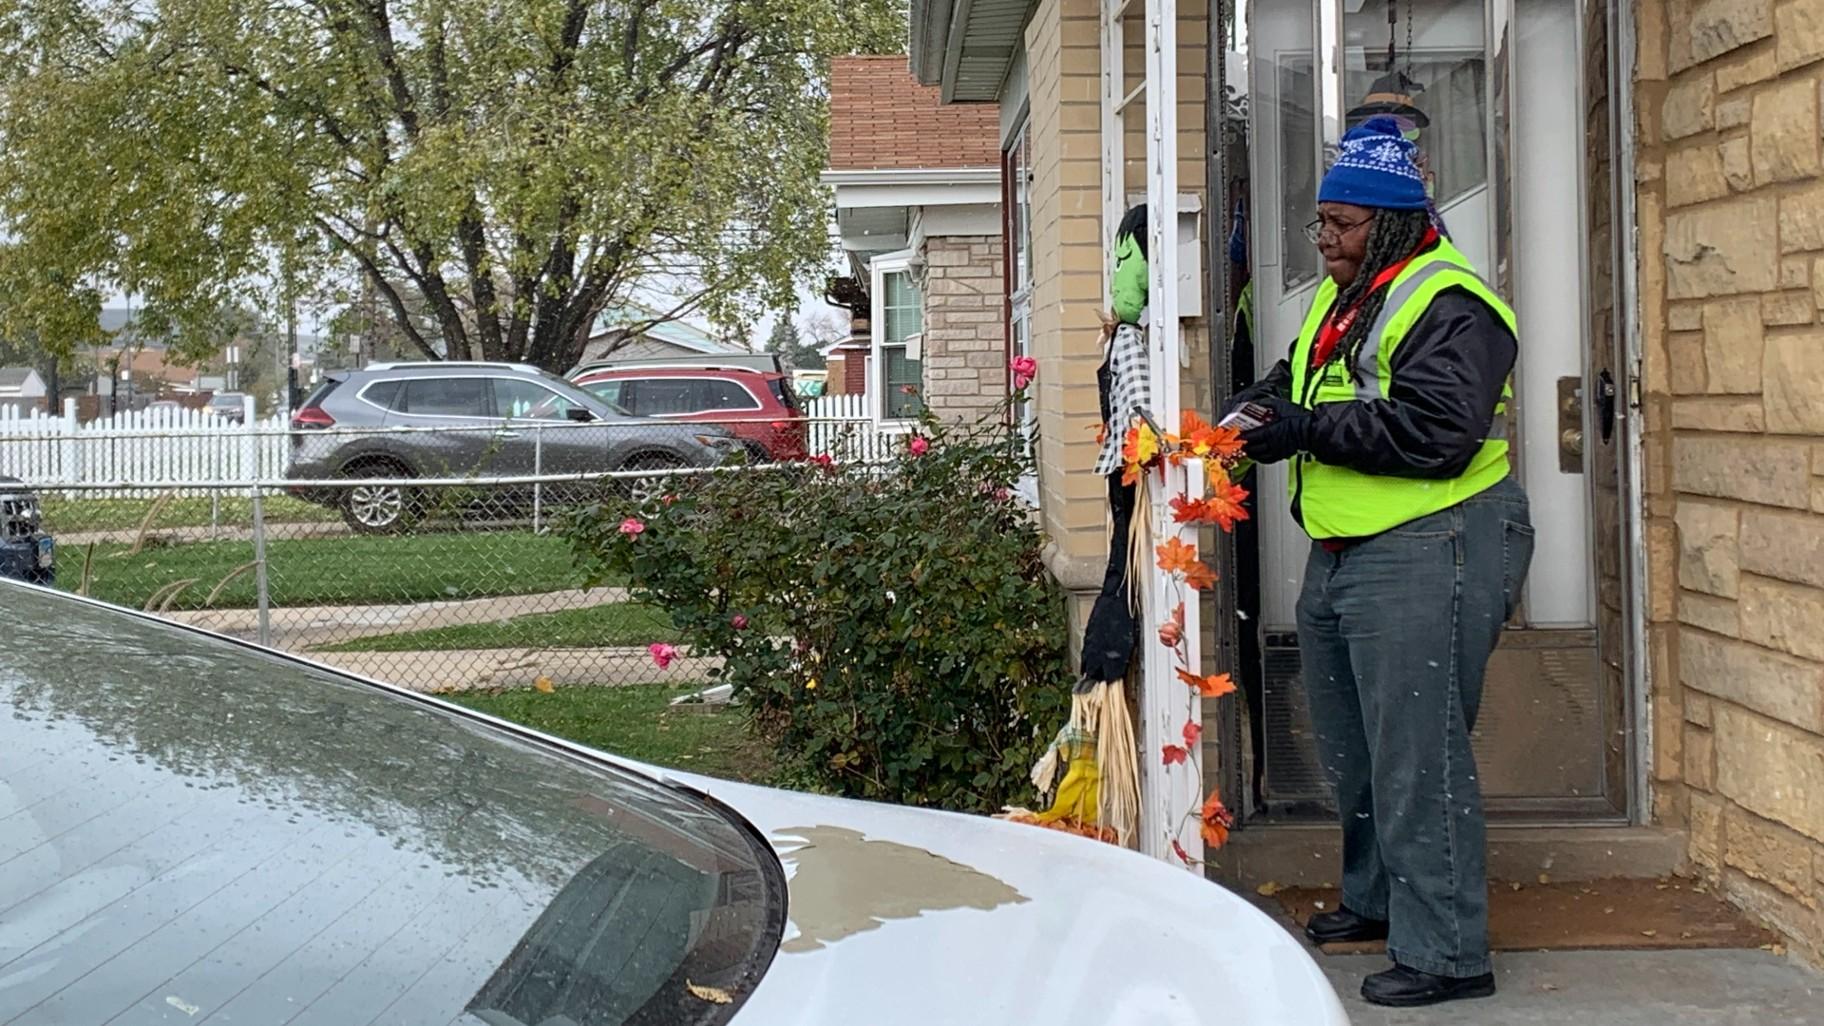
{"x": 1733, "y": 347}
{"x": 1771, "y": 769}
{"x": 1689, "y": 107}
{"x": 1705, "y": 816}
{"x": 1802, "y": 220}
{"x": 1773, "y": 684}
{"x": 1756, "y": 64}
{"x": 1738, "y": 167}
{"x": 1794, "y": 375}
{"x": 1733, "y": 467}
{"x": 1795, "y": 272}
{"x": 1700, "y": 760}
{"x": 1708, "y": 559}
{"x": 1798, "y": 33}
{"x": 1685, "y": 317}
{"x": 1784, "y": 132}
{"x": 1784, "y": 616}
{"x": 1721, "y": 249}
{"x": 1668, "y": 737}
{"x": 1711, "y": 28}
{"x": 1707, "y": 612}
{"x": 1734, "y": 113}
{"x": 1788, "y": 308}
{"x": 1719, "y": 413}
{"x": 1817, "y": 282}
{"x": 1786, "y": 546}
{"x": 1695, "y": 174}
{"x": 1698, "y": 709}
{"x": 1770, "y": 853}
{"x": 1686, "y": 359}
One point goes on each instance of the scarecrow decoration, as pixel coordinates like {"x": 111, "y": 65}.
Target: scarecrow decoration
{"x": 1096, "y": 753}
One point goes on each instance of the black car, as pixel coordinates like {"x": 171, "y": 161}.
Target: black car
{"x": 27, "y": 552}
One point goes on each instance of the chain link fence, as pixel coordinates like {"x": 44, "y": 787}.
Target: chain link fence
{"x": 427, "y": 559}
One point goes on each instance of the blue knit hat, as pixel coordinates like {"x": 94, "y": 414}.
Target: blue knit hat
{"x": 1375, "y": 169}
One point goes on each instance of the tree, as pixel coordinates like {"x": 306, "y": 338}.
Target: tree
{"x": 508, "y": 170}
{"x": 793, "y": 350}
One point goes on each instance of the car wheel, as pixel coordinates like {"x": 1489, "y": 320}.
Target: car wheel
{"x": 378, "y": 508}
{"x": 643, "y": 490}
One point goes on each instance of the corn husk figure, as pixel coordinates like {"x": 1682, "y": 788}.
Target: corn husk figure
{"x": 1092, "y": 767}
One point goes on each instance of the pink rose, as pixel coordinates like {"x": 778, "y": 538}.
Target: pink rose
{"x": 739, "y": 622}
{"x": 1025, "y": 369}
{"x": 918, "y": 446}
{"x": 662, "y": 654}
{"x": 632, "y": 528}
{"x": 1002, "y": 494}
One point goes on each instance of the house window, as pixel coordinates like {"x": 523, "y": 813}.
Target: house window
{"x": 1016, "y": 183}
{"x": 900, "y": 372}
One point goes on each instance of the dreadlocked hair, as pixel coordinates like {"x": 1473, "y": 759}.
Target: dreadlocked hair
{"x": 1391, "y": 238}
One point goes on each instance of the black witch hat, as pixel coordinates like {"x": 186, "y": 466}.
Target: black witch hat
{"x": 1392, "y": 93}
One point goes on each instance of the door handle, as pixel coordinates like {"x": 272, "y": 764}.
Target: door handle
{"x": 1570, "y": 425}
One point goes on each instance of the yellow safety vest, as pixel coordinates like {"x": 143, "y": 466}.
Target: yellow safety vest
{"x": 1336, "y": 502}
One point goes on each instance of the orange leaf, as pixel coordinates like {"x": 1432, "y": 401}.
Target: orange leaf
{"x": 1175, "y": 557}
{"x": 1139, "y": 449}
{"x": 1215, "y": 685}
{"x": 543, "y": 686}
{"x": 1216, "y": 820}
{"x": 1175, "y": 754}
{"x": 1199, "y": 577}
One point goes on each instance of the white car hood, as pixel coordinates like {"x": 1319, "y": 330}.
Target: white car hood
{"x": 908, "y": 916}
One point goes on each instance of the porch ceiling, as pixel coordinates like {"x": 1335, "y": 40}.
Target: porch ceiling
{"x": 966, "y": 46}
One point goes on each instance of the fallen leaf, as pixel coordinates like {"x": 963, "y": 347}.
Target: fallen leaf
{"x": 713, "y": 995}
{"x": 1544, "y": 879}
{"x": 1609, "y": 911}
{"x": 1548, "y": 986}
{"x": 1516, "y": 885}
{"x": 543, "y": 686}
{"x": 1268, "y": 889}
{"x": 1649, "y": 933}
{"x": 1320, "y": 905}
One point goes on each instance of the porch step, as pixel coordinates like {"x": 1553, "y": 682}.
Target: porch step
{"x": 1311, "y": 855}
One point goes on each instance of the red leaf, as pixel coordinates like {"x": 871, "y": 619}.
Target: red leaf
{"x": 1175, "y": 755}
{"x": 1183, "y": 856}
{"x": 1192, "y": 731}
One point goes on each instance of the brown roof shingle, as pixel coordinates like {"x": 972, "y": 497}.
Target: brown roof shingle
{"x": 881, "y": 118}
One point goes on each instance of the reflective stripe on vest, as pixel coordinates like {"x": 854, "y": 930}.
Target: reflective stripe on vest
{"x": 1336, "y": 502}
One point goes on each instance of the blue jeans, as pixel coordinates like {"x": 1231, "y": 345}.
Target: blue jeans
{"x": 1394, "y": 634}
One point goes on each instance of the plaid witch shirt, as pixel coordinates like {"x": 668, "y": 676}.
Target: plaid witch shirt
{"x": 1130, "y": 391}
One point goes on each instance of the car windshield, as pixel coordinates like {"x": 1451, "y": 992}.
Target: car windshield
{"x": 192, "y": 826}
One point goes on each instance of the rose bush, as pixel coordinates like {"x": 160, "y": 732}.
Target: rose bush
{"x": 890, "y": 629}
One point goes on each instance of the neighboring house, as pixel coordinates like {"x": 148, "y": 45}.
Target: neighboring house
{"x": 918, "y": 208}
{"x": 21, "y": 383}
{"x": 1657, "y": 221}
{"x": 677, "y": 337}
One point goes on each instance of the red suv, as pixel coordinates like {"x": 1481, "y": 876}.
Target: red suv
{"x": 749, "y": 395}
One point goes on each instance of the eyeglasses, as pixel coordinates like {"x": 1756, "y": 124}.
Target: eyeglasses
{"x": 1316, "y": 230}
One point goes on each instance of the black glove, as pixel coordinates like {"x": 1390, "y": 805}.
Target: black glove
{"x": 1285, "y": 436}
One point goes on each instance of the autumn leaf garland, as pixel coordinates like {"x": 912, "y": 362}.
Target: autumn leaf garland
{"x": 1221, "y": 507}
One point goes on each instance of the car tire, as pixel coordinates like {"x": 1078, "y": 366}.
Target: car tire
{"x": 379, "y": 509}
{"x": 643, "y": 490}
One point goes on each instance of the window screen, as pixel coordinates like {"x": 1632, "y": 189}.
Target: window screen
{"x": 900, "y": 376}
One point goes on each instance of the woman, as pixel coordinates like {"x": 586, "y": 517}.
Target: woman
{"x": 1392, "y": 411}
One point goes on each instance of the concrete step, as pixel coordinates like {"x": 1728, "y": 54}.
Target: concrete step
{"x": 1311, "y": 855}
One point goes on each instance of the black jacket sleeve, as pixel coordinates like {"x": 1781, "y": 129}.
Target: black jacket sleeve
{"x": 1448, "y": 373}
{"x": 1277, "y": 382}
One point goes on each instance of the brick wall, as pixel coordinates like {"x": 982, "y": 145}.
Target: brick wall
{"x": 1731, "y": 220}
{"x": 965, "y": 326}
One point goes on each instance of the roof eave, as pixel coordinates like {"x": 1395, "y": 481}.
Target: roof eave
{"x": 941, "y": 32}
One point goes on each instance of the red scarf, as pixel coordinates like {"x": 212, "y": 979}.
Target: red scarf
{"x": 1336, "y": 326}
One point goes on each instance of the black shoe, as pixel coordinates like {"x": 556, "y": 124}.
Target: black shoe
{"x": 1342, "y": 926}
{"x": 1401, "y": 987}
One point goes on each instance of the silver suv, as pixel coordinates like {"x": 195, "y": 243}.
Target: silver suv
{"x": 473, "y": 420}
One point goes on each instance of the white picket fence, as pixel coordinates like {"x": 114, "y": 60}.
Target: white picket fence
{"x": 151, "y": 447}
{"x": 841, "y": 427}
{"x": 145, "y": 447}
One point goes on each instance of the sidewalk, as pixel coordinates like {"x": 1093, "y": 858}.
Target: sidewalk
{"x": 302, "y": 628}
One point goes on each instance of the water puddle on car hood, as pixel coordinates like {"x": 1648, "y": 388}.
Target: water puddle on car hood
{"x": 843, "y": 884}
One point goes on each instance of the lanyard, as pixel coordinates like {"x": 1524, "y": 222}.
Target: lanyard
{"x": 1335, "y": 327}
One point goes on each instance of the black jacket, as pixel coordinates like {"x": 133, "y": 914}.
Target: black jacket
{"x": 1448, "y": 373}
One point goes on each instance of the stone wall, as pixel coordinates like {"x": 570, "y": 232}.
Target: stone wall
{"x": 965, "y": 326}
{"x": 1731, "y": 221}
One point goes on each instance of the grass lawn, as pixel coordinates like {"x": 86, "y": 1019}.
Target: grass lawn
{"x": 612, "y": 624}
{"x": 353, "y": 570}
{"x": 636, "y": 721}
{"x": 82, "y": 515}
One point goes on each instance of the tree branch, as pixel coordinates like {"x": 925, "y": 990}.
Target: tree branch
{"x": 371, "y": 270}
